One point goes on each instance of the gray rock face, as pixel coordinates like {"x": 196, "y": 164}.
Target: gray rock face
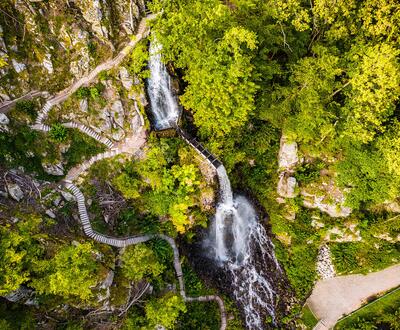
{"x": 287, "y": 186}
{"x": 4, "y": 121}
{"x": 287, "y": 154}
{"x": 15, "y": 191}
{"x": 48, "y": 65}
{"x": 21, "y": 293}
{"x": 54, "y": 169}
{"x": 18, "y": 67}
{"x": 67, "y": 196}
{"x": 83, "y": 105}
{"x": 50, "y": 214}
{"x": 125, "y": 78}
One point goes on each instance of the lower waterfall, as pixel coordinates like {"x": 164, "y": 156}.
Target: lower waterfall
{"x": 241, "y": 246}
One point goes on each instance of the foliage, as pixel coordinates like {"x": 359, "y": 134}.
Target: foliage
{"x": 139, "y": 262}
{"x": 58, "y": 133}
{"x": 164, "y": 311}
{"x": 71, "y": 273}
{"x": 19, "y": 248}
{"x": 138, "y": 60}
{"x": 163, "y": 190}
{"x": 366, "y": 256}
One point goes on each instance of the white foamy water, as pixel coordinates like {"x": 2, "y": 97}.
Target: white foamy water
{"x": 244, "y": 249}
{"x": 162, "y": 101}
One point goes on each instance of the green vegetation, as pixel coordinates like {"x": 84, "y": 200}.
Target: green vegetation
{"x": 383, "y": 313}
{"x": 140, "y": 262}
{"x": 58, "y": 133}
{"x": 308, "y": 318}
{"x": 162, "y": 189}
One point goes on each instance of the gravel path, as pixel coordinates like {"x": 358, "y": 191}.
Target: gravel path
{"x": 335, "y": 297}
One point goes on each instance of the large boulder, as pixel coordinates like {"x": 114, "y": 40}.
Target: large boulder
{"x": 288, "y": 157}
{"x": 287, "y": 186}
{"x": 54, "y": 169}
{"x": 15, "y": 191}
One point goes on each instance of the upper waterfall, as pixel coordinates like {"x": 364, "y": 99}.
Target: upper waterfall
{"x": 164, "y": 105}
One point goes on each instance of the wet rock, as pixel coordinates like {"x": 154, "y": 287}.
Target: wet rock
{"x": 287, "y": 186}
{"x": 288, "y": 157}
{"x": 15, "y": 191}
{"x": 18, "y": 67}
{"x": 54, "y": 169}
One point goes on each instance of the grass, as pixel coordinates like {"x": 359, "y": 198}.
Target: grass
{"x": 387, "y": 304}
{"x": 308, "y": 318}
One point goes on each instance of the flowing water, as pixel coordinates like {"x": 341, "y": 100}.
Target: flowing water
{"x": 163, "y": 102}
{"x": 243, "y": 248}
{"x": 238, "y": 241}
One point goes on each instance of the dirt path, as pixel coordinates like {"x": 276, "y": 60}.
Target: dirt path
{"x": 335, "y": 297}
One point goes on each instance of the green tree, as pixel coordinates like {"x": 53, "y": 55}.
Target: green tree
{"x": 58, "y": 133}
{"x": 139, "y": 262}
{"x": 164, "y": 311}
{"x": 71, "y": 273}
{"x": 19, "y": 248}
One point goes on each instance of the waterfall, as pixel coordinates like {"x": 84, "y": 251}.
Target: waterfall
{"x": 239, "y": 242}
{"x": 164, "y": 106}
{"x": 243, "y": 248}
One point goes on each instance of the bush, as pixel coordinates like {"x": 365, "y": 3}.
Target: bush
{"x": 58, "y": 133}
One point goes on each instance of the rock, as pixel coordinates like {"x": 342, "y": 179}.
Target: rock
{"x": 14, "y": 219}
{"x": 325, "y": 267}
{"x": 21, "y": 293}
{"x": 83, "y": 105}
{"x": 93, "y": 14}
{"x": 54, "y": 169}
{"x": 57, "y": 201}
{"x": 126, "y": 80}
{"x": 288, "y": 158}
{"x": 15, "y": 191}
{"x": 18, "y": 67}
{"x": 287, "y": 186}
{"x": 108, "y": 280}
{"x": 50, "y": 214}
{"x": 335, "y": 209}
{"x": 4, "y": 121}
{"x": 3, "y": 194}
{"x": 117, "y": 114}
{"x": 392, "y": 206}
{"x": 48, "y": 65}
{"x": 67, "y": 196}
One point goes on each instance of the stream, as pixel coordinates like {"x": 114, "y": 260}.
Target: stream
{"x": 236, "y": 248}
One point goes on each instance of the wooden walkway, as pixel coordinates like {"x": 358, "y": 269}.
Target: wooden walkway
{"x": 201, "y": 150}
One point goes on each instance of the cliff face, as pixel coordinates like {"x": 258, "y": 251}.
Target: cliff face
{"x": 47, "y": 44}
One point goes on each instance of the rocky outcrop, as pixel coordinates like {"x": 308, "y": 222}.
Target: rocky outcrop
{"x": 54, "y": 169}
{"x": 4, "y": 121}
{"x": 287, "y": 186}
{"x": 287, "y": 161}
{"x": 326, "y": 197}
{"x": 15, "y": 191}
{"x": 288, "y": 157}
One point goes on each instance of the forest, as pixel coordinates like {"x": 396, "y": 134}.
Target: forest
{"x": 254, "y": 78}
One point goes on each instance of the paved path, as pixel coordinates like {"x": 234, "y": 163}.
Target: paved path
{"x": 333, "y": 298}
